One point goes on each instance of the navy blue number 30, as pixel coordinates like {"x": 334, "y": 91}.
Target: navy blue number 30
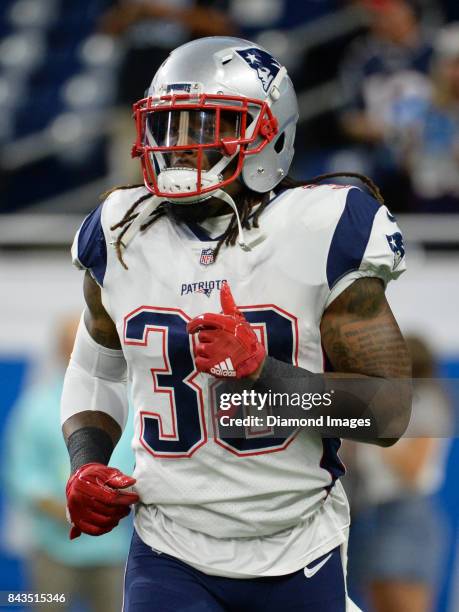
{"x": 176, "y": 427}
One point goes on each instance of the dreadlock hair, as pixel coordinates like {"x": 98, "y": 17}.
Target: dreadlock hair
{"x": 230, "y": 235}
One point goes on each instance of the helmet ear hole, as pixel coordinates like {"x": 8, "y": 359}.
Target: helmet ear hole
{"x": 280, "y": 142}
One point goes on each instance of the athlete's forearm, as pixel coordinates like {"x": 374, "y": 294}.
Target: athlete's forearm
{"x": 362, "y": 340}
{"x": 385, "y": 402}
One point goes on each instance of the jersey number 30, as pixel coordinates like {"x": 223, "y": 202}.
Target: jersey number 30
{"x": 174, "y": 424}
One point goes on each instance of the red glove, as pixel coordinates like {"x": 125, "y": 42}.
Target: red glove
{"x": 95, "y": 502}
{"x": 227, "y": 345}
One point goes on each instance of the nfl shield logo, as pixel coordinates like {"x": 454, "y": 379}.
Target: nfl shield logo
{"x": 207, "y": 257}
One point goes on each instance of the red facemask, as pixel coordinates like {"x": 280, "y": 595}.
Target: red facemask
{"x": 186, "y": 141}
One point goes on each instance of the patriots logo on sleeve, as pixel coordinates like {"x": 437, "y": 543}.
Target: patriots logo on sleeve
{"x": 263, "y": 63}
{"x": 396, "y": 245}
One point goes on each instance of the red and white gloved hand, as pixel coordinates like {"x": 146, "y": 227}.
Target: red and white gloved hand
{"x": 96, "y": 501}
{"x": 227, "y": 346}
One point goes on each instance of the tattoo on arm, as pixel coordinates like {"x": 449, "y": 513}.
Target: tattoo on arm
{"x": 99, "y": 324}
{"x": 360, "y": 334}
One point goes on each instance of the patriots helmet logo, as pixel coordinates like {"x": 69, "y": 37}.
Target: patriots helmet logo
{"x": 263, "y": 63}
{"x": 396, "y": 245}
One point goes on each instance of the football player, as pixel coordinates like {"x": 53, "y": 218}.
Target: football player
{"x": 223, "y": 523}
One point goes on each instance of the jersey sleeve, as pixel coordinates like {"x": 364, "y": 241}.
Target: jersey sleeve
{"x": 366, "y": 242}
{"x": 89, "y": 249}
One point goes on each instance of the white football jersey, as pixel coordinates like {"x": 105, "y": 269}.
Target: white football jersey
{"x": 234, "y": 507}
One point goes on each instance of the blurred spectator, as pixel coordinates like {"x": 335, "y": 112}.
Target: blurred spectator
{"x": 430, "y": 140}
{"x": 384, "y": 67}
{"x": 394, "y": 44}
{"x": 150, "y": 30}
{"x": 36, "y": 469}
{"x": 397, "y": 531}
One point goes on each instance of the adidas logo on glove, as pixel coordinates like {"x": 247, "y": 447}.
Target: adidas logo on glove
{"x": 224, "y": 368}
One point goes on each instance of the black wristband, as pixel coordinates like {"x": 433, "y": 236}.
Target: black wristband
{"x": 89, "y": 445}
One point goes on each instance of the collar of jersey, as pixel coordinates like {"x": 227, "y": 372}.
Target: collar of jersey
{"x": 205, "y": 231}
{"x": 211, "y": 229}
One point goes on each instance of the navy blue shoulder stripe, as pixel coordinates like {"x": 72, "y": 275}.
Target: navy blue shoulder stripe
{"x": 92, "y": 249}
{"x": 351, "y": 235}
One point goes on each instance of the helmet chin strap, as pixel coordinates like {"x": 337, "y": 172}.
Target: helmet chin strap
{"x": 245, "y": 246}
{"x": 222, "y": 195}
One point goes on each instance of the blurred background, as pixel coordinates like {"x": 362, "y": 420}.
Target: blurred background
{"x": 378, "y": 88}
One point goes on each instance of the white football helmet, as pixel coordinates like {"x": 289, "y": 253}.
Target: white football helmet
{"x": 218, "y": 108}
